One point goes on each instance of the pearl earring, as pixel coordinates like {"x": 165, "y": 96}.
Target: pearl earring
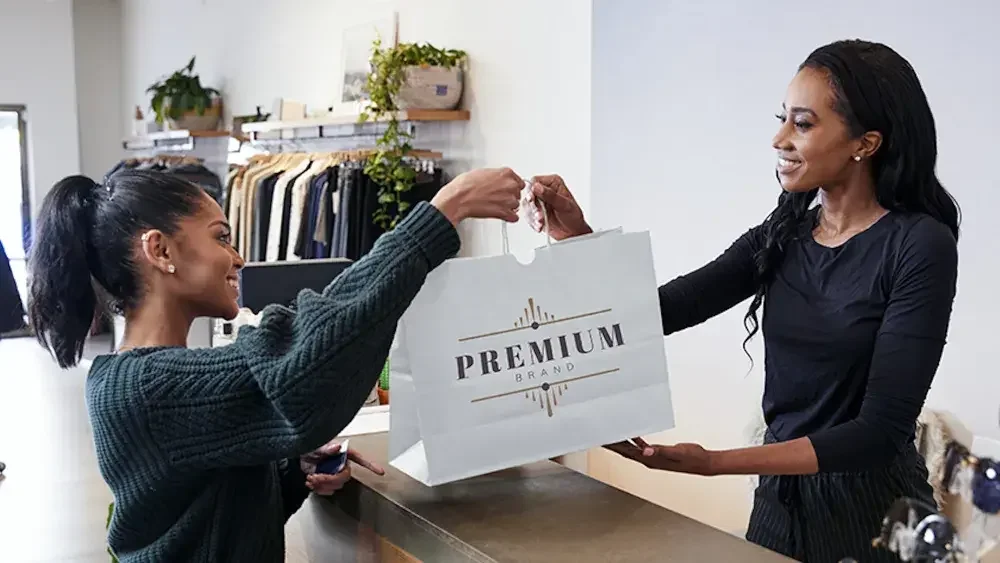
{"x": 171, "y": 268}
{"x": 857, "y": 158}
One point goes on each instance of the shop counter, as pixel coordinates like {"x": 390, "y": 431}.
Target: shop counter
{"x": 541, "y": 512}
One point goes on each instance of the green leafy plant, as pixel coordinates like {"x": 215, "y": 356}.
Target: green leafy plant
{"x": 107, "y": 525}
{"x": 179, "y": 93}
{"x": 387, "y": 166}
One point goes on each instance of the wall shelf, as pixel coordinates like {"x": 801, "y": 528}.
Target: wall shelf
{"x": 324, "y": 126}
{"x": 213, "y": 148}
{"x": 176, "y": 139}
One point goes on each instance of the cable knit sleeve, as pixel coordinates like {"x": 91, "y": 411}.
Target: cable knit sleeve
{"x": 289, "y": 385}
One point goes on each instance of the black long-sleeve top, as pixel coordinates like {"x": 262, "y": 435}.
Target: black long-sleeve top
{"x": 852, "y": 335}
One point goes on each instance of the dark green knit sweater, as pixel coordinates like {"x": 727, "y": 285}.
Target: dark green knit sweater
{"x": 200, "y": 447}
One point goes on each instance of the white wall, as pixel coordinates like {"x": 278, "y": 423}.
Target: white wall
{"x": 684, "y": 95}
{"x": 528, "y": 86}
{"x": 529, "y": 79}
{"x": 37, "y": 70}
{"x": 97, "y": 34}
{"x": 681, "y": 121}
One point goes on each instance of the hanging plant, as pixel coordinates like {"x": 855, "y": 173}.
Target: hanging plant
{"x": 387, "y": 167}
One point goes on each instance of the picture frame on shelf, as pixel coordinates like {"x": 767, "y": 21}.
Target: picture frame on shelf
{"x": 356, "y": 44}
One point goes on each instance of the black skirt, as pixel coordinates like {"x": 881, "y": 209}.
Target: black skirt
{"x": 826, "y": 517}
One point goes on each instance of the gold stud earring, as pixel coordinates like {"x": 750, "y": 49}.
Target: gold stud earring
{"x": 857, "y": 158}
{"x": 171, "y": 268}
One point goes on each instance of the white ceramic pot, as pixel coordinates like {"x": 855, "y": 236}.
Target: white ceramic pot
{"x": 430, "y": 87}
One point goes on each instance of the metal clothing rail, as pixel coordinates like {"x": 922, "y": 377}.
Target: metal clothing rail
{"x": 349, "y": 125}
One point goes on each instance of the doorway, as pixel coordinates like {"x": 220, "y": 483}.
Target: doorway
{"x": 15, "y": 195}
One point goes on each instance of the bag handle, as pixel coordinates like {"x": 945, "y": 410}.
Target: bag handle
{"x": 545, "y": 222}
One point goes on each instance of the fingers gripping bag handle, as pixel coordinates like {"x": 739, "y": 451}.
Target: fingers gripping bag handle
{"x": 537, "y": 216}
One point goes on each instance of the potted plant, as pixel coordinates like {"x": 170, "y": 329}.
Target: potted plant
{"x": 107, "y": 525}
{"x": 407, "y": 76}
{"x": 184, "y": 103}
{"x": 383, "y": 385}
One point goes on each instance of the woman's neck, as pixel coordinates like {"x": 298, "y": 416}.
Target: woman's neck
{"x": 156, "y": 324}
{"x": 849, "y": 208}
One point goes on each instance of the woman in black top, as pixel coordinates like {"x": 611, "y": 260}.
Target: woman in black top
{"x": 857, "y": 293}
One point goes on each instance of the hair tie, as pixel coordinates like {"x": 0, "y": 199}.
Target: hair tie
{"x": 105, "y": 184}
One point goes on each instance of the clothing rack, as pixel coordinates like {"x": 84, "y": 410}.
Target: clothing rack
{"x": 211, "y": 147}
{"x": 312, "y": 204}
{"x": 164, "y": 159}
{"x": 191, "y": 168}
{"x": 357, "y": 155}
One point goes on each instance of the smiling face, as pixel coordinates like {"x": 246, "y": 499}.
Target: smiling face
{"x": 206, "y": 278}
{"x": 815, "y": 147}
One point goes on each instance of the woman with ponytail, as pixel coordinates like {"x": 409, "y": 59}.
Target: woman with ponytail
{"x": 856, "y": 270}
{"x": 208, "y": 452}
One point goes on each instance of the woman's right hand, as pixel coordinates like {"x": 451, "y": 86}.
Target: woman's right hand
{"x": 563, "y": 212}
{"x": 486, "y": 193}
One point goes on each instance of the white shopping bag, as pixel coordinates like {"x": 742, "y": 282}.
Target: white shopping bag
{"x": 497, "y": 363}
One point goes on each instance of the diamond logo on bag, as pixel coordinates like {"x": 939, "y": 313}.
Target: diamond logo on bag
{"x": 544, "y": 351}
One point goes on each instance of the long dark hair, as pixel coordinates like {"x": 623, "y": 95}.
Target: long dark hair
{"x": 83, "y": 252}
{"x": 875, "y": 89}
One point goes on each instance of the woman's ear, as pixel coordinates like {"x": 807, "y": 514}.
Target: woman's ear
{"x": 156, "y": 252}
{"x": 870, "y": 143}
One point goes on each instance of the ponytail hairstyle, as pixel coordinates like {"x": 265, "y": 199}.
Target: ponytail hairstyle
{"x": 83, "y": 255}
{"x": 875, "y": 89}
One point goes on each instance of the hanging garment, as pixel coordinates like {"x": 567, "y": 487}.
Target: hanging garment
{"x": 189, "y": 169}
{"x": 348, "y": 197}
{"x": 277, "y": 209}
{"x": 337, "y": 242}
{"x": 300, "y": 193}
{"x": 316, "y": 211}
{"x": 323, "y": 233}
{"x": 227, "y": 189}
{"x": 199, "y": 175}
{"x": 357, "y": 218}
{"x": 426, "y": 187}
{"x": 286, "y": 217}
{"x": 295, "y": 206}
{"x": 234, "y": 211}
{"x": 250, "y": 185}
{"x": 368, "y": 230}
{"x": 310, "y": 213}
{"x": 11, "y": 308}
{"x": 262, "y": 217}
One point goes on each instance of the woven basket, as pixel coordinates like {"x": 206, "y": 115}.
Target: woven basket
{"x": 190, "y": 120}
{"x": 430, "y": 87}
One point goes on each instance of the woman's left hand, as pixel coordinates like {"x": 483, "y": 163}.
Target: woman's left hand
{"x": 681, "y": 458}
{"x": 327, "y": 484}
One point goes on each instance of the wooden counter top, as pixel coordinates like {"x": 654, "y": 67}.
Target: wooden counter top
{"x": 539, "y": 512}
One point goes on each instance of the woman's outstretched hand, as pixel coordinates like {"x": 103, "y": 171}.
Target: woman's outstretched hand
{"x": 486, "y": 193}
{"x": 563, "y": 212}
{"x": 680, "y": 458}
{"x": 326, "y": 484}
